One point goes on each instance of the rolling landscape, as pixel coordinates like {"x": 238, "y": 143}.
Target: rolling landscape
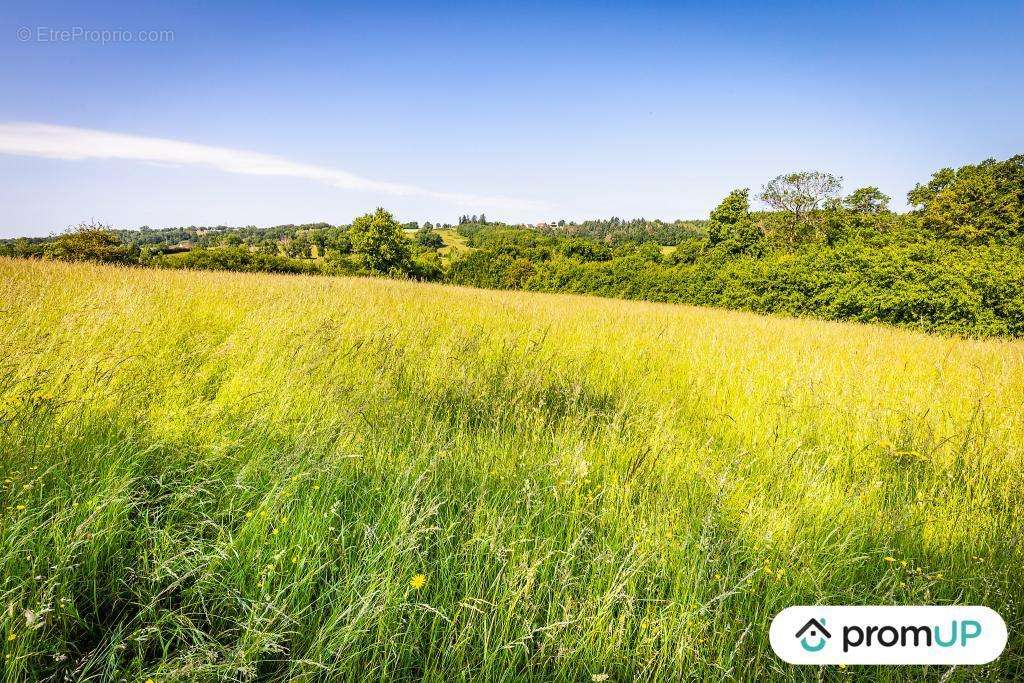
{"x": 476, "y": 342}
{"x": 281, "y": 477}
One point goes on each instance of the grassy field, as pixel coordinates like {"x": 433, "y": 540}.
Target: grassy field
{"x": 253, "y": 477}
{"x": 454, "y": 244}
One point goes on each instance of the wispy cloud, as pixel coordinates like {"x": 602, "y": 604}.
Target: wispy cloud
{"x": 65, "y": 142}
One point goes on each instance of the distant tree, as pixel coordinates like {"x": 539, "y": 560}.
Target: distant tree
{"x": 584, "y": 250}
{"x": 728, "y": 214}
{"x": 378, "y": 239}
{"x": 867, "y": 200}
{"x": 338, "y": 240}
{"x": 88, "y": 242}
{"x": 428, "y": 239}
{"x": 299, "y": 247}
{"x": 483, "y": 219}
{"x": 319, "y": 238}
{"x": 801, "y": 192}
{"x": 974, "y": 203}
{"x": 923, "y": 195}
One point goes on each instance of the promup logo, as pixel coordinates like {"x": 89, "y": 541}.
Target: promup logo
{"x": 817, "y": 630}
{"x": 888, "y": 635}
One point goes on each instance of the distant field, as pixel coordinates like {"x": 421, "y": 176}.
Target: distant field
{"x": 217, "y": 476}
{"x": 454, "y": 243}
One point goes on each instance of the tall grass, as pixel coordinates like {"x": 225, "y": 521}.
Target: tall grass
{"x": 238, "y": 477}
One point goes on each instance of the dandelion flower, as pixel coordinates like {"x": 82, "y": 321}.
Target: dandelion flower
{"x": 11, "y": 637}
{"x": 20, "y": 507}
{"x": 417, "y": 582}
{"x": 599, "y": 678}
{"x": 890, "y": 559}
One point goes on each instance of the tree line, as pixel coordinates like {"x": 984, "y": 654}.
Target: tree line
{"x": 955, "y": 263}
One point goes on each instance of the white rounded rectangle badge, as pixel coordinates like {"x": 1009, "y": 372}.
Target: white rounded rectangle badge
{"x": 832, "y": 634}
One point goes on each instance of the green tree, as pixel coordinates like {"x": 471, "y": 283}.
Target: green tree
{"x": 725, "y": 217}
{"x": 378, "y": 240}
{"x": 428, "y": 239}
{"x": 867, "y": 200}
{"x": 299, "y": 246}
{"x": 88, "y": 242}
{"x": 974, "y": 203}
{"x": 800, "y": 194}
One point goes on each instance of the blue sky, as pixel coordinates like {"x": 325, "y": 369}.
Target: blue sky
{"x": 264, "y": 114}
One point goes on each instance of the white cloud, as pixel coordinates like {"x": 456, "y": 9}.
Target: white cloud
{"x": 65, "y": 142}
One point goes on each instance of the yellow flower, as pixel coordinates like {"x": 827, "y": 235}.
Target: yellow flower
{"x": 20, "y": 507}
{"x": 149, "y": 680}
{"x": 599, "y": 678}
{"x": 248, "y": 514}
{"x": 11, "y": 637}
{"x": 417, "y": 582}
{"x": 890, "y": 559}
{"x": 275, "y": 531}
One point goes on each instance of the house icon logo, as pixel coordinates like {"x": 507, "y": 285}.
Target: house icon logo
{"x": 814, "y": 630}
